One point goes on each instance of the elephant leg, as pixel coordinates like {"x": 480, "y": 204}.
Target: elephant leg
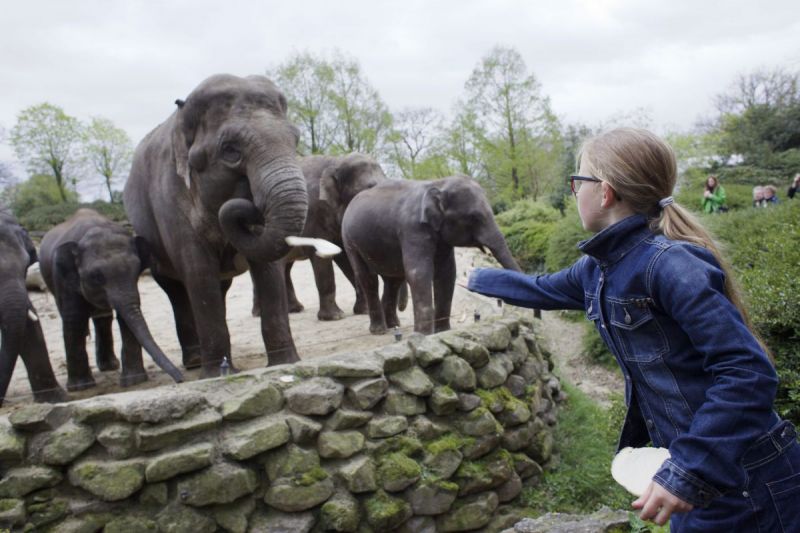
{"x": 294, "y": 304}
{"x": 224, "y": 287}
{"x": 391, "y": 288}
{"x": 368, "y": 283}
{"x": 75, "y": 324}
{"x": 342, "y": 260}
{"x": 104, "y": 343}
{"x": 444, "y": 282}
{"x": 37, "y": 362}
{"x": 418, "y": 265}
{"x": 208, "y": 309}
{"x": 184, "y": 320}
{"x": 133, "y": 371}
{"x": 326, "y": 286}
{"x": 256, "y": 309}
{"x": 275, "y": 327}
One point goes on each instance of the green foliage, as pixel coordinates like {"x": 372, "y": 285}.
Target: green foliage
{"x": 108, "y": 150}
{"x": 527, "y": 226}
{"x": 737, "y": 195}
{"x": 582, "y": 480}
{"x": 562, "y": 247}
{"x": 595, "y": 350}
{"x": 762, "y": 246}
{"x": 37, "y": 192}
{"x": 44, "y": 217}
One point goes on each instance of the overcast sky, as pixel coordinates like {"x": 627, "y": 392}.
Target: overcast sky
{"x": 129, "y": 60}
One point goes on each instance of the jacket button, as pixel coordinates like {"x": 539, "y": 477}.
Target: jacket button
{"x": 746, "y": 494}
{"x": 650, "y": 423}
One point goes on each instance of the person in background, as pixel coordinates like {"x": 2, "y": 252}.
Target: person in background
{"x": 770, "y": 195}
{"x": 698, "y": 380}
{"x": 713, "y": 196}
{"x": 758, "y": 196}
{"x": 793, "y": 187}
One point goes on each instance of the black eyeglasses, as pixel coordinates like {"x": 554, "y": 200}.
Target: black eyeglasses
{"x": 575, "y": 188}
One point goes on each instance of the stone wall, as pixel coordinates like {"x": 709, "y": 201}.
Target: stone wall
{"x": 434, "y": 433}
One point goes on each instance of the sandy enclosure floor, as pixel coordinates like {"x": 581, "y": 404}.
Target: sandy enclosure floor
{"x": 313, "y": 337}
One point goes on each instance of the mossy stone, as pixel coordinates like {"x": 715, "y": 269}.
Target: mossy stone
{"x": 468, "y": 514}
{"x": 255, "y": 401}
{"x": 154, "y": 437}
{"x": 177, "y": 518}
{"x": 398, "y": 471}
{"x": 479, "y": 422}
{"x": 181, "y": 461}
{"x": 457, "y": 373}
{"x": 251, "y": 438}
{"x": 339, "y": 444}
{"x": 385, "y": 512}
{"x": 386, "y": 426}
{"x": 155, "y": 494}
{"x": 12, "y": 444}
{"x": 131, "y": 524}
{"x": 413, "y": 381}
{"x": 399, "y": 403}
{"x": 18, "y": 482}
{"x": 12, "y": 512}
{"x": 220, "y": 483}
{"x": 443, "y": 401}
{"x": 64, "y": 444}
{"x": 234, "y": 517}
{"x": 287, "y": 496}
{"x": 359, "y": 474}
{"x": 108, "y": 480}
{"x": 340, "y": 514}
{"x": 42, "y": 513}
{"x": 118, "y": 439}
{"x": 290, "y": 461}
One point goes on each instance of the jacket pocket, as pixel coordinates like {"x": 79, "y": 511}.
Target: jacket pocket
{"x": 785, "y": 495}
{"x": 592, "y": 311}
{"x": 637, "y": 330}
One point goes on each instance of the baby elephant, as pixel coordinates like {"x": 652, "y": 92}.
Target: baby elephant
{"x": 92, "y": 266}
{"x": 20, "y": 329}
{"x": 406, "y": 231}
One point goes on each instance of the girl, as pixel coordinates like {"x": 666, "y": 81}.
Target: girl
{"x": 713, "y": 196}
{"x": 698, "y": 380}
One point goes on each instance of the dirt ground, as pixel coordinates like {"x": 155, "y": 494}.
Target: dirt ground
{"x": 313, "y": 338}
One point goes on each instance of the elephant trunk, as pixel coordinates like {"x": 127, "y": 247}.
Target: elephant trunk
{"x": 14, "y": 308}
{"x": 258, "y": 228}
{"x": 131, "y": 313}
{"x": 497, "y": 245}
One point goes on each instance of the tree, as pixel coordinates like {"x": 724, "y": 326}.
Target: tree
{"x": 413, "y": 142}
{"x": 108, "y": 150}
{"x": 516, "y": 122}
{"x": 39, "y": 190}
{"x": 7, "y": 182}
{"x": 305, "y": 81}
{"x": 362, "y": 119}
{"x": 46, "y": 140}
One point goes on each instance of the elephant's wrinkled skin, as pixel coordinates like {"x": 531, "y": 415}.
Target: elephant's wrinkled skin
{"x": 332, "y": 182}
{"x": 215, "y": 190}
{"x": 406, "y": 230}
{"x": 92, "y": 267}
{"x": 20, "y": 329}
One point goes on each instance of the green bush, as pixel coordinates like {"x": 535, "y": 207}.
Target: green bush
{"x": 44, "y": 217}
{"x": 595, "y": 350}
{"x": 562, "y": 247}
{"x": 763, "y": 247}
{"x": 527, "y": 226}
{"x": 38, "y": 191}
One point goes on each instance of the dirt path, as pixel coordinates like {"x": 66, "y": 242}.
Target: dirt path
{"x": 313, "y": 338}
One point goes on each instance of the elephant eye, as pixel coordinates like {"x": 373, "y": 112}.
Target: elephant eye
{"x": 230, "y": 154}
{"x": 96, "y": 278}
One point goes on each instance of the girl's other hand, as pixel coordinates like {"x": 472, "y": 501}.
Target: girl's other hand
{"x": 657, "y": 504}
{"x": 463, "y": 277}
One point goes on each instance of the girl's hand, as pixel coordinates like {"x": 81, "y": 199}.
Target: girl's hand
{"x": 463, "y": 277}
{"x": 657, "y": 504}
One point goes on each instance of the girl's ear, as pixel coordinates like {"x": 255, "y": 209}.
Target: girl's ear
{"x": 608, "y": 197}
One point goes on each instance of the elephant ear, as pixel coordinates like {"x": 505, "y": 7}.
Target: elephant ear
{"x": 432, "y": 211}
{"x": 143, "y": 251}
{"x": 180, "y": 150}
{"x": 329, "y": 185}
{"x": 65, "y": 268}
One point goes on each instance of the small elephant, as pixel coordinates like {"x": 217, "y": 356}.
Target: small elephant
{"x": 406, "y": 231}
{"x": 215, "y": 190}
{"x": 19, "y": 325}
{"x": 92, "y": 267}
{"x": 332, "y": 182}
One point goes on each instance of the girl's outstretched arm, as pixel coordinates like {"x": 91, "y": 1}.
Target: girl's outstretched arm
{"x": 562, "y": 290}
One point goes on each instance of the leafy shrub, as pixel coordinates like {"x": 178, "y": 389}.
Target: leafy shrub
{"x": 527, "y": 226}
{"x": 595, "y": 350}
{"x": 762, "y": 246}
{"x": 44, "y": 217}
{"x": 38, "y": 191}
{"x": 562, "y": 247}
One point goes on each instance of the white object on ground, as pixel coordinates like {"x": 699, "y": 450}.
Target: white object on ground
{"x": 634, "y": 468}
{"x": 324, "y": 248}
{"x": 32, "y": 315}
{"x": 34, "y": 280}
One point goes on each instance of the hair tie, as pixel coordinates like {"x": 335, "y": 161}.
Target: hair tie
{"x": 664, "y": 202}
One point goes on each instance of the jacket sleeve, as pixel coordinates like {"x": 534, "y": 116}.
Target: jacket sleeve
{"x": 719, "y": 197}
{"x": 688, "y": 284}
{"x": 561, "y": 290}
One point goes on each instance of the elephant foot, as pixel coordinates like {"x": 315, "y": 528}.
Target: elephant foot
{"x": 377, "y": 329}
{"x": 295, "y": 307}
{"x": 191, "y": 360}
{"x": 443, "y": 325}
{"x": 392, "y": 323}
{"x": 282, "y": 358}
{"x": 134, "y": 378}
{"x": 360, "y": 308}
{"x": 330, "y": 314}
{"x": 256, "y": 311}
{"x": 54, "y": 395}
{"x": 75, "y": 385}
{"x": 106, "y": 363}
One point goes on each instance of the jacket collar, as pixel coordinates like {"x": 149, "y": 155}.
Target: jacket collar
{"x": 612, "y": 243}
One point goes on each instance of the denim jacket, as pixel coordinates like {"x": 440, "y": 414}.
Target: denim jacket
{"x": 696, "y": 380}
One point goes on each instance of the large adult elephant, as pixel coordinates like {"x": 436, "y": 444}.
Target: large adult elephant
{"x": 332, "y": 183}
{"x": 215, "y": 190}
{"x": 19, "y": 325}
{"x": 406, "y": 231}
{"x": 92, "y": 267}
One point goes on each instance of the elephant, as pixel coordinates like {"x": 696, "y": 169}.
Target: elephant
{"x": 215, "y": 190}
{"x": 332, "y": 182}
{"x": 92, "y": 267}
{"x": 407, "y": 231}
{"x": 20, "y": 328}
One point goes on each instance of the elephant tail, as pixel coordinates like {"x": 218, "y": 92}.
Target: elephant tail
{"x": 402, "y": 297}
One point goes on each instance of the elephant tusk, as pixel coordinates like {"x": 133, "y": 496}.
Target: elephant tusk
{"x": 32, "y": 315}
{"x": 324, "y": 248}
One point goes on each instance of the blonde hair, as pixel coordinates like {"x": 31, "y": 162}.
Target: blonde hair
{"x": 642, "y": 169}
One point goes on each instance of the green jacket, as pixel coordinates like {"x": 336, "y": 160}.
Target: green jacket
{"x": 715, "y": 201}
